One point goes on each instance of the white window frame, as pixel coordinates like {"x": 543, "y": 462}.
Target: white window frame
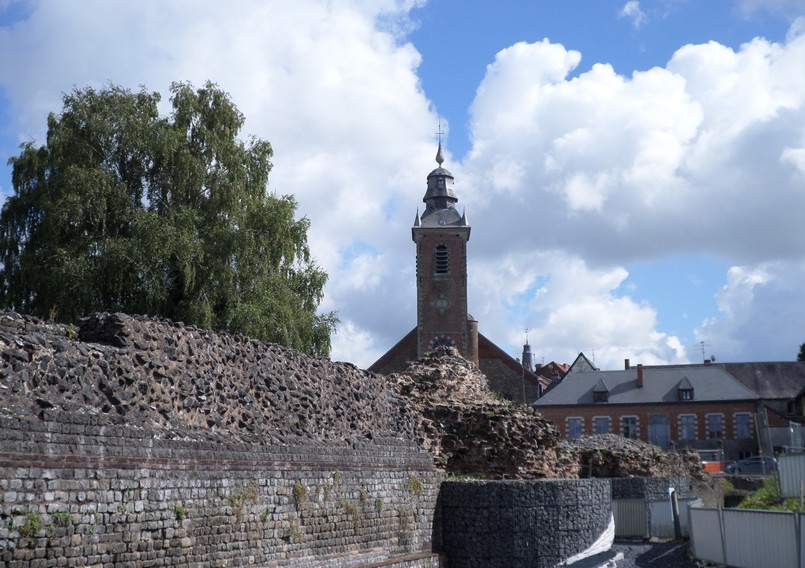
{"x": 595, "y": 424}
{"x": 574, "y": 419}
{"x": 636, "y": 433}
{"x": 693, "y": 425}
{"x": 714, "y": 434}
{"x": 738, "y": 432}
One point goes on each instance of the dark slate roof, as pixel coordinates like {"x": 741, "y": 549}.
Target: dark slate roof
{"x": 660, "y": 384}
{"x": 685, "y": 384}
{"x": 582, "y": 363}
{"x": 780, "y": 380}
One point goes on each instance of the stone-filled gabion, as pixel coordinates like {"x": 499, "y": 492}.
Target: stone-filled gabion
{"x": 513, "y": 524}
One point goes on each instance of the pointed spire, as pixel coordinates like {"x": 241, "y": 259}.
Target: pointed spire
{"x": 417, "y": 221}
{"x": 464, "y": 217}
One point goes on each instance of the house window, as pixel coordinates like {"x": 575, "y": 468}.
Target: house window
{"x": 685, "y": 394}
{"x": 601, "y": 424}
{"x": 687, "y": 427}
{"x": 575, "y": 427}
{"x": 743, "y": 426}
{"x": 600, "y": 396}
{"x": 715, "y": 426}
{"x": 629, "y": 427}
{"x": 442, "y": 260}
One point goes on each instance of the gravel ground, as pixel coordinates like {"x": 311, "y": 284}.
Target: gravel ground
{"x": 640, "y": 554}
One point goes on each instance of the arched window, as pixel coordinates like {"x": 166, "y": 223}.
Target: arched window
{"x": 441, "y": 341}
{"x": 442, "y": 260}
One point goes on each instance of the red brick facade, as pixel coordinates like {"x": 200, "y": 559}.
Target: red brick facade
{"x": 706, "y": 425}
{"x": 441, "y": 264}
{"x": 559, "y": 416}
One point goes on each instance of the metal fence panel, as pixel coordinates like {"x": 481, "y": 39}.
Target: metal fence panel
{"x": 801, "y": 540}
{"x": 662, "y": 518}
{"x": 760, "y": 539}
{"x": 685, "y": 506}
{"x": 705, "y": 535}
{"x": 792, "y": 474}
{"x": 630, "y": 518}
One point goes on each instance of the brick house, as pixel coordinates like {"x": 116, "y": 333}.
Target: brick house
{"x": 778, "y": 384}
{"x": 698, "y": 406}
{"x": 441, "y": 235}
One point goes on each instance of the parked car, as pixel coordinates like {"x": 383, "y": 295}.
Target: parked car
{"x": 756, "y": 465}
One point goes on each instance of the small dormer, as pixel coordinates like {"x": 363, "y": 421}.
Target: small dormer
{"x": 601, "y": 391}
{"x": 684, "y": 390}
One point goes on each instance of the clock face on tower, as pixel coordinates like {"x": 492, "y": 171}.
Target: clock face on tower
{"x": 442, "y": 304}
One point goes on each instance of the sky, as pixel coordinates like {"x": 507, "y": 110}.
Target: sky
{"x": 633, "y": 171}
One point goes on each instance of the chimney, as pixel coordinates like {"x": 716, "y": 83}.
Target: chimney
{"x": 626, "y": 365}
{"x": 640, "y": 375}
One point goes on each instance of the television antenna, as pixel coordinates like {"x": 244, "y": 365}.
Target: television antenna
{"x": 702, "y": 346}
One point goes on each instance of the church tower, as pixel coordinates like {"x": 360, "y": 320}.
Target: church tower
{"x": 441, "y": 236}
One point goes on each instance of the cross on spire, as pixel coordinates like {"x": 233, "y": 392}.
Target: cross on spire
{"x": 440, "y": 152}
{"x": 439, "y": 132}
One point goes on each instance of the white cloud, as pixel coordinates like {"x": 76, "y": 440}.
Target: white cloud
{"x": 567, "y": 307}
{"x": 633, "y": 12}
{"x": 693, "y": 158}
{"x": 690, "y": 154}
{"x": 790, "y": 8}
{"x": 761, "y": 313}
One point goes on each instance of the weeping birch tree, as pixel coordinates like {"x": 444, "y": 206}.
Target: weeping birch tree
{"x": 125, "y": 210}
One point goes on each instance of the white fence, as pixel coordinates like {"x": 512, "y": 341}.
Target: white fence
{"x": 792, "y": 474}
{"x": 635, "y": 518}
{"x": 744, "y": 538}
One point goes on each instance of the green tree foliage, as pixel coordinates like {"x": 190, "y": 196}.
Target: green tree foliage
{"x": 124, "y": 210}
{"x": 801, "y": 355}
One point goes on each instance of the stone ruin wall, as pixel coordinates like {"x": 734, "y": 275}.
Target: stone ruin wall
{"x": 142, "y": 443}
{"x": 137, "y": 442}
{"x": 82, "y": 493}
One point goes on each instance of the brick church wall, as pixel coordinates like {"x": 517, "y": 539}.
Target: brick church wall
{"x": 452, "y": 286}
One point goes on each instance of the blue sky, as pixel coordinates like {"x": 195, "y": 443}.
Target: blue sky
{"x": 634, "y": 172}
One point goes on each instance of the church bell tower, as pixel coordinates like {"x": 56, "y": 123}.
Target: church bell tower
{"x": 441, "y": 236}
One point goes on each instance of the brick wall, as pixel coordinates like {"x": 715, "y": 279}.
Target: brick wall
{"x": 700, "y": 411}
{"x": 74, "y": 491}
{"x": 507, "y": 382}
{"x": 435, "y": 321}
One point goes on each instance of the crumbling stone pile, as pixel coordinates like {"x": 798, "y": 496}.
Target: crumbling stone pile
{"x": 470, "y": 430}
{"x": 182, "y": 380}
{"x": 610, "y": 455}
{"x": 185, "y": 382}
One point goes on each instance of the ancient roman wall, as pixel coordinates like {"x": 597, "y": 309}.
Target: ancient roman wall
{"x": 77, "y": 492}
{"x": 135, "y": 442}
